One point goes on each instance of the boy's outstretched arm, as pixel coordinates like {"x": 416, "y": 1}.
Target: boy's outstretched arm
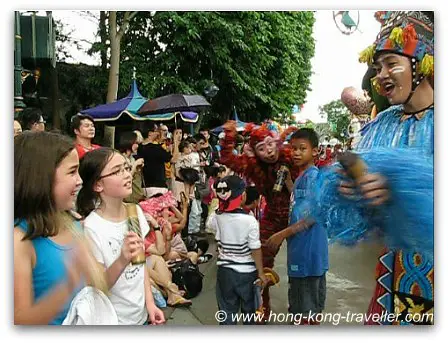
{"x": 277, "y": 239}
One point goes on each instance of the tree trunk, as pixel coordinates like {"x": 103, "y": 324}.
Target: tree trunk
{"x": 114, "y": 69}
{"x": 115, "y": 36}
{"x": 103, "y": 36}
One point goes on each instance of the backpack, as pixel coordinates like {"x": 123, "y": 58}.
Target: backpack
{"x": 187, "y": 277}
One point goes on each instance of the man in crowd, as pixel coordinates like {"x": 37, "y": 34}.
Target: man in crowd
{"x": 32, "y": 119}
{"x": 155, "y": 157}
{"x": 83, "y": 127}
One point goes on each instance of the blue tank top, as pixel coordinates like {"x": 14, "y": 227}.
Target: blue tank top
{"x": 49, "y": 270}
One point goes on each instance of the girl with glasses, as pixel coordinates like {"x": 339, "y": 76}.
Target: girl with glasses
{"x": 107, "y": 182}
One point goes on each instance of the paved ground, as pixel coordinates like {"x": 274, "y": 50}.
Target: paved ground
{"x": 350, "y": 283}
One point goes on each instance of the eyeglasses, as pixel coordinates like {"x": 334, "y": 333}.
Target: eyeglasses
{"x": 119, "y": 172}
{"x": 222, "y": 190}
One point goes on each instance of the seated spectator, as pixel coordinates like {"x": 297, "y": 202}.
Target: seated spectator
{"x": 163, "y": 209}
{"x": 156, "y": 244}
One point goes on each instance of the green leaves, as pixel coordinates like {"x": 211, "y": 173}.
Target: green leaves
{"x": 259, "y": 60}
{"x": 338, "y": 117}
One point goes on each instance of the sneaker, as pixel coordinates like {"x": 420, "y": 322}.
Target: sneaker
{"x": 205, "y": 258}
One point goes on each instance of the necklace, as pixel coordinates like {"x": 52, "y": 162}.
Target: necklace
{"x": 417, "y": 115}
{"x": 419, "y": 111}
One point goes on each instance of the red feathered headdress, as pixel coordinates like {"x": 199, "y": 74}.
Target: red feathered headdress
{"x": 258, "y": 133}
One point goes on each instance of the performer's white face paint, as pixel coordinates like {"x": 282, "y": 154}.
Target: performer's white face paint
{"x": 267, "y": 150}
{"x": 394, "y": 75}
{"x": 397, "y": 70}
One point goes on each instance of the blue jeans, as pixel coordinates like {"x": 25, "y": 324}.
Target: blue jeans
{"x": 235, "y": 291}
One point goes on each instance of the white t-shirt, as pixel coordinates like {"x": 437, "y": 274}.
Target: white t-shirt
{"x": 195, "y": 160}
{"x": 237, "y": 234}
{"x": 128, "y": 293}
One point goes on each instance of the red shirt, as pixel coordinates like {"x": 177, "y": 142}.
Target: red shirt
{"x": 83, "y": 150}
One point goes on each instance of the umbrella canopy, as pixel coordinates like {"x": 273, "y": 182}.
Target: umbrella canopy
{"x": 112, "y": 111}
{"x": 239, "y": 125}
{"x": 130, "y": 106}
{"x": 174, "y": 103}
{"x": 188, "y": 117}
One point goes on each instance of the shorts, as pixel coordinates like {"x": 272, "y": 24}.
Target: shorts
{"x": 307, "y": 294}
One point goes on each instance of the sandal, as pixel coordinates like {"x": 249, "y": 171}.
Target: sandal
{"x": 205, "y": 258}
{"x": 180, "y": 303}
{"x": 173, "y": 288}
{"x": 273, "y": 277}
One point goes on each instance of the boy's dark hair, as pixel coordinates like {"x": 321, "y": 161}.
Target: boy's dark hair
{"x": 211, "y": 171}
{"x": 147, "y": 128}
{"x": 199, "y": 136}
{"x": 184, "y": 144}
{"x": 126, "y": 141}
{"x": 30, "y": 116}
{"x": 251, "y": 195}
{"x": 306, "y": 133}
{"x": 39, "y": 153}
{"x": 203, "y": 129}
{"x": 221, "y": 169}
{"x": 191, "y": 140}
{"x": 76, "y": 121}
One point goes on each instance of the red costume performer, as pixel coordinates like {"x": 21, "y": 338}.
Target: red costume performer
{"x": 259, "y": 163}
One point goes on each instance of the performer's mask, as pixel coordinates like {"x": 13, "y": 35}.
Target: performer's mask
{"x": 267, "y": 150}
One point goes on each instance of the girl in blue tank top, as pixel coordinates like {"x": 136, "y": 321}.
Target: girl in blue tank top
{"x": 48, "y": 265}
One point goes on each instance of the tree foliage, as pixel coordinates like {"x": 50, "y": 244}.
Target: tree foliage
{"x": 259, "y": 60}
{"x": 323, "y": 131}
{"x": 64, "y": 41}
{"x": 338, "y": 116}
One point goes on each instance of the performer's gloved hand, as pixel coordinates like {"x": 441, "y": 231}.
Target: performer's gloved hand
{"x": 373, "y": 187}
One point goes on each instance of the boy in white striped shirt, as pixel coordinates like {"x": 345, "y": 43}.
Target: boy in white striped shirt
{"x": 239, "y": 251}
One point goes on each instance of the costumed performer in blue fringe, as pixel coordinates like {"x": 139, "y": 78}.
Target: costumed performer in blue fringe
{"x": 394, "y": 194}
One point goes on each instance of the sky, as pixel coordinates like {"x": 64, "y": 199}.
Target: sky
{"x": 335, "y": 63}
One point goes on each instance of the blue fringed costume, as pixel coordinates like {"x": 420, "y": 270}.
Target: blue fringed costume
{"x": 403, "y": 152}
{"x": 399, "y": 146}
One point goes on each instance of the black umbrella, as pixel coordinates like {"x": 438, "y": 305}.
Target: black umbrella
{"x": 174, "y": 103}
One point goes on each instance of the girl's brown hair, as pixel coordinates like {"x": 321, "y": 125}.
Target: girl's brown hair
{"x": 90, "y": 169}
{"x": 36, "y": 158}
